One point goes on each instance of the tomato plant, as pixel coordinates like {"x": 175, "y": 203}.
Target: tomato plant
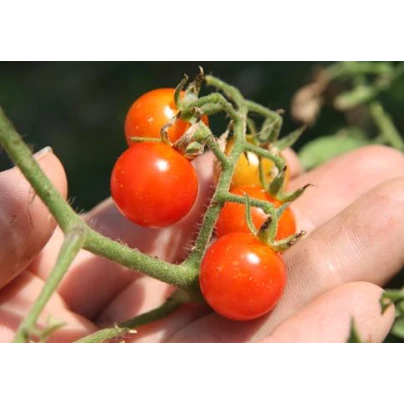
{"x": 150, "y": 112}
{"x": 232, "y": 216}
{"x": 246, "y": 170}
{"x": 153, "y": 185}
{"x": 242, "y": 278}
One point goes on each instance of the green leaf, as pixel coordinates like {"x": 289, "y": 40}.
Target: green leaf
{"x": 398, "y": 328}
{"x": 393, "y": 296}
{"x": 324, "y": 148}
{"x": 290, "y": 139}
{"x": 353, "y": 334}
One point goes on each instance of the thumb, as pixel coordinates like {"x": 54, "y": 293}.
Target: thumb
{"x": 25, "y": 222}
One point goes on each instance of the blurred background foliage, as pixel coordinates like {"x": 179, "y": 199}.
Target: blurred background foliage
{"x": 78, "y": 105}
{"x": 79, "y": 108}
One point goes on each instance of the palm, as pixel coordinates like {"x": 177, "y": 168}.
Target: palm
{"x": 333, "y": 273}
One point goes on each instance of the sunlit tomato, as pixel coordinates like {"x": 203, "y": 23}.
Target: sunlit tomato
{"x": 246, "y": 171}
{"x": 232, "y": 216}
{"x": 153, "y": 185}
{"x": 150, "y": 112}
{"x": 242, "y": 278}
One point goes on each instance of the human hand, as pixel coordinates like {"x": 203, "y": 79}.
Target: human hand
{"x": 353, "y": 217}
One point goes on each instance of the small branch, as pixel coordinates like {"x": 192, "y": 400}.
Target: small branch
{"x": 230, "y": 91}
{"x": 126, "y": 327}
{"x": 261, "y": 110}
{"x": 248, "y": 217}
{"x": 251, "y": 127}
{"x": 267, "y": 207}
{"x": 223, "y": 185}
{"x": 178, "y": 275}
{"x": 210, "y": 104}
{"x": 279, "y": 161}
{"x": 137, "y": 139}
{"x": 204, "y": 135}
{"x": 262, "y": 173}
{"x": 386, "y": 126}
{"x": 72, "y": 244}
{"x": 22, "y": 157}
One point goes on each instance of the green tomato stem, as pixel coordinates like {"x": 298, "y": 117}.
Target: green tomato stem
{"x": 74, "y": 241}
{"x": 125, "y": 328}
{"x": 230, "y": 91}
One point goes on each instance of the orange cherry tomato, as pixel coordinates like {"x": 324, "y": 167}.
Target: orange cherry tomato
{"x": 150, "y": 112}
{"x": 246, "y": 171}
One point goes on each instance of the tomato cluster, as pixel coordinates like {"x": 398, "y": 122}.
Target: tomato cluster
{"x": 152, "y": 184}
{"x": 155, "y": 185}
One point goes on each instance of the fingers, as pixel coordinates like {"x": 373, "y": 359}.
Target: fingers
{"x": 362, "y": 243}
{"x": 16, "y": 300}
{"x": 25, "y": 222}
{"x": 341, "y": 181}
{"x": 328, "y": 317}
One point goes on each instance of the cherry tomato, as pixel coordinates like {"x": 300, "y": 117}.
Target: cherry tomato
{"x": 242, "y": 278}
{"x": 232, "y": 216}
{"x": 246, "y": 171}
{"x": 153, "y": 185}
{"x": 150, "y": 112}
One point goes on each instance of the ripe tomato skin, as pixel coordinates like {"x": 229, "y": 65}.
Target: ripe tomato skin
{"x": 153, "y": 185}
{"x": 246, "y": 171}
{"x": 242, "y": 278}
{"x": 150, "y": 112}
{"x": 232, "y": 216}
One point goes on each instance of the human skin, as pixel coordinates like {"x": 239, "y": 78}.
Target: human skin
{"x": 353, "y": 216}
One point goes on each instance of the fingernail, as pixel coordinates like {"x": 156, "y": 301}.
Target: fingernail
{"x": 39, "y": 154}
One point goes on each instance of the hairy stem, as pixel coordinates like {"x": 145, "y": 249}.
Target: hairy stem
{"x": 279, "y": 161}
{"x": 125, "y": 328}
{"x": 72, "y": 244}
{"x": 204, "y": 134}
{"x": 178, "y": 275}
{"x": 230, "y": 91}
{"x": 212, "y": 214}
{"x": 267, "y": 207}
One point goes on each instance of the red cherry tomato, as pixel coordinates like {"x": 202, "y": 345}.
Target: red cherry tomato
{"x": 150, "y": 112}
{"x": 153, "y": 185}
{"x": 242, "y": 278}
{"x": 232, "y": 216}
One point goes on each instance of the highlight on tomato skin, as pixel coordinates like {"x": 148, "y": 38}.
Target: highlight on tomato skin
{"x": 153, "y": 185}
{"x": 232, "y": 216}
{"x": 150, "y": 112}
{"x": 241, "y": 278}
